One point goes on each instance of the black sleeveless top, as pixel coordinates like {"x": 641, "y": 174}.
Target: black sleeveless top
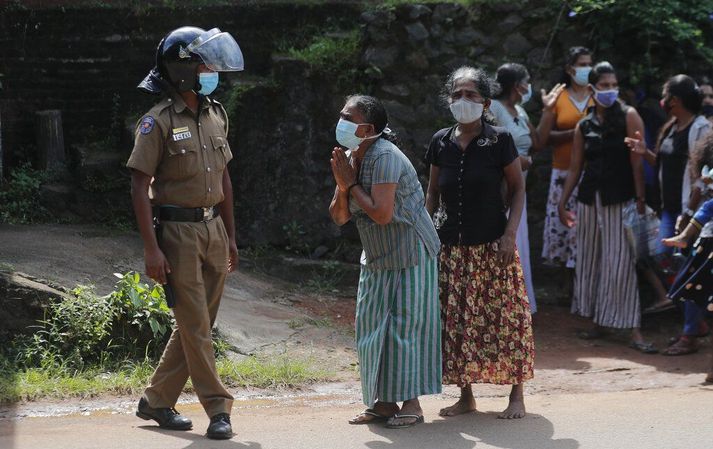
{"x": 607, "y": 168}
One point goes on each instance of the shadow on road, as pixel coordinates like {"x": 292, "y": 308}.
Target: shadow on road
{"x": 472, "y": 430}
{"x": 201, "y": 441}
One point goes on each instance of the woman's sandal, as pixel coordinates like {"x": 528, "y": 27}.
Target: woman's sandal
{"x": 646, "y": 348}
{"x": 391, "y": 424}
{"x": 368, "y": 416}
{"x": 659, "y": 307}
{"x": 681, "y": 347}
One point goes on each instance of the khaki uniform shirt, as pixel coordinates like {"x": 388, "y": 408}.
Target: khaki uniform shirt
{"x": 185, "y": 155}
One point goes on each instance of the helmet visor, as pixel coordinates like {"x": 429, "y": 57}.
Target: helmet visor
{"x": 218, "y": 50}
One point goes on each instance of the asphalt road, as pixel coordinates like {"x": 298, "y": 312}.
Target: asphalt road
{"x": 650, "y": 419}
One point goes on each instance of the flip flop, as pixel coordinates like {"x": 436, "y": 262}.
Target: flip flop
{"x": 656, "y": 308}
{"x": 646, "y": 348}
{"x": 679, "y": 348}
{"x": 373, "y": 417}
{"x": 391, "y": 425}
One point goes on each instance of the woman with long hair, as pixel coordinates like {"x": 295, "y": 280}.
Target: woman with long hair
{"x": 605, "y": 284}
{"x": 680, "y": 192}
{"x": 559, "y": 243}
{"x": 516, "y": 90}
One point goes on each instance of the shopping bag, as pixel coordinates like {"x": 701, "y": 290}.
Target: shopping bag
{"x": 641, "y": 231}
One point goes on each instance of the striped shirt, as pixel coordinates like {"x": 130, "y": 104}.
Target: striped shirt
{"x": 393, "y": 245}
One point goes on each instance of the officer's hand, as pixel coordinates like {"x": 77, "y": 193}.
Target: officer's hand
{"x": 157, "y": 267}
{"x": 233, "y": 257}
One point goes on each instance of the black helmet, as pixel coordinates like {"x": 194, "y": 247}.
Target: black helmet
{"x": 179, "y": 54}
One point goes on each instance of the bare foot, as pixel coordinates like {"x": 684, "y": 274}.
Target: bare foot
{"x": 678, "y": 241}
{"x": 460, "y": 407}
{"x": 515, "y": 410}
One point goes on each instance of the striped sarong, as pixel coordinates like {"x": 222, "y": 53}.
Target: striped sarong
{"x": 605, "y": 283}
{"x": 398, "y": 332}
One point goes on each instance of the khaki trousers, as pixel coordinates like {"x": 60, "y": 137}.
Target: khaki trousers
{"x": 198, "y": 256}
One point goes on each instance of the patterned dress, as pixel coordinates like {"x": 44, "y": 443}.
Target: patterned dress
{"x": 487, "y": 334}
{"x": 487, "y": 326}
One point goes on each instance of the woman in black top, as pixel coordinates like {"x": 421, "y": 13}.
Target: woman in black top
{"x": 680, "y": 190}
{"x": 605, "y": 283}
{"x": 487, "y": 327}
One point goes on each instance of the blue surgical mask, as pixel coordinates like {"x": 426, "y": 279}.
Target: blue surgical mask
{"x": 581, "y": 75}
{"x": 208, "y": 82}
{"x": 527, "y": 95}
{"x": 346, "y": 134}
{"x": 606, "y": 98}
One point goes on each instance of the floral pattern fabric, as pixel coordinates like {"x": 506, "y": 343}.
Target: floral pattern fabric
{"x": 559, "y": 243}
{"x": 487, "y": 326}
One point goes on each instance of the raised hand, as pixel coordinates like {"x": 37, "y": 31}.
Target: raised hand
{"x": 549, "y": 99}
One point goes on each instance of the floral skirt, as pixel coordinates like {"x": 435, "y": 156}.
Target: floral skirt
{"x": 559, "y": 243}
{"x": 694, "y": 281}
{"x": 487, "y": 326}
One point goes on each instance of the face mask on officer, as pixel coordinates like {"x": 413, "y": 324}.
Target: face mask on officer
{"x": 208, "y": 82}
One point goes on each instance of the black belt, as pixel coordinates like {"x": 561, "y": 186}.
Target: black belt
{"x": 193, "y": 214}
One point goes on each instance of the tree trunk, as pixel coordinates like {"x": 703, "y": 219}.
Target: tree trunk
{"x": 50, "y": 139}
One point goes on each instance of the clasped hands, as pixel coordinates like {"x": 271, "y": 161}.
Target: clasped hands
{"x": 343, "y": 169}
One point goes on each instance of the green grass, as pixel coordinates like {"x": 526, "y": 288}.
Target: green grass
{"x": 272, "y": 372}
{"x": 299, "y": 323}
{"x": 57, "y": 382}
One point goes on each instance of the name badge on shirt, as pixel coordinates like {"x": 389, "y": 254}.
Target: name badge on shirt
{"x": 182, "y": 133}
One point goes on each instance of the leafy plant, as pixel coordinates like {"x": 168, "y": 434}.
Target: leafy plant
{"x": 19, "y": 197}
{"x": 327, "y": 279}
{"x": 666, "y": 31}
{"x": 334, "y": 55}
{"x": 139, "y": 305}
{"x": 83, "y": 329}
{"x": 296, "y": 241}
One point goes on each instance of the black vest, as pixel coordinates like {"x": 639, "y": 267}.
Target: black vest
{"x": 607, "y": 168}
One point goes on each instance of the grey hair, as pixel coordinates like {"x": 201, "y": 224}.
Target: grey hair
{"x": 487, "y": 87}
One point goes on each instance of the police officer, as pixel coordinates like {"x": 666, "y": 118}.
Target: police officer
{"x": 180, "y": 184}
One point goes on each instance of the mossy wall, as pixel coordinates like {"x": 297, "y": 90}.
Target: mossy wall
{"x": 87, "y": 62}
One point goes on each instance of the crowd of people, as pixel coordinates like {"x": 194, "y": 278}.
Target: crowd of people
{"x": 446, "y": 292}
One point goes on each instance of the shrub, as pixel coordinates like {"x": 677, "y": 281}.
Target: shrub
{"x": 19, "y": 197}
{"x": 131, "y": 322}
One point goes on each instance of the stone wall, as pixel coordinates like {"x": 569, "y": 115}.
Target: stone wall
{"x": 87, "y": 63}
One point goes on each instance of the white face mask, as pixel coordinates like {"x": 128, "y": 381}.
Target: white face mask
{"x": 465, "y": 111}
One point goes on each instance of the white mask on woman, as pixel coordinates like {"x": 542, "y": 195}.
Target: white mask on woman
{"x": 465, "y": 111}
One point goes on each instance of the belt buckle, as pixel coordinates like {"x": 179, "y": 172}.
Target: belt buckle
{"x": 207, "y": 213}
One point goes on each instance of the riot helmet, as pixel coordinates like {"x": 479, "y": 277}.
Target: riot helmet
{"x": 179, "y": 54}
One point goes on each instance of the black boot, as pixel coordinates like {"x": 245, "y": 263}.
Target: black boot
{"x": 220, "y": 428}
{"x": 167, "y": 418}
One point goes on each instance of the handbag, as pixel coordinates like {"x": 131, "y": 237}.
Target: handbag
{"x": 641, "y": 230}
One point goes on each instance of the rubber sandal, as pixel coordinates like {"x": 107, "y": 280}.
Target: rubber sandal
{"x": 646, "y": 348}
{"x": 375, "y": 417}
{"x": 656, "y": 308}
{"x": 391, "y": 425}
{"x": 680, "y": 348}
